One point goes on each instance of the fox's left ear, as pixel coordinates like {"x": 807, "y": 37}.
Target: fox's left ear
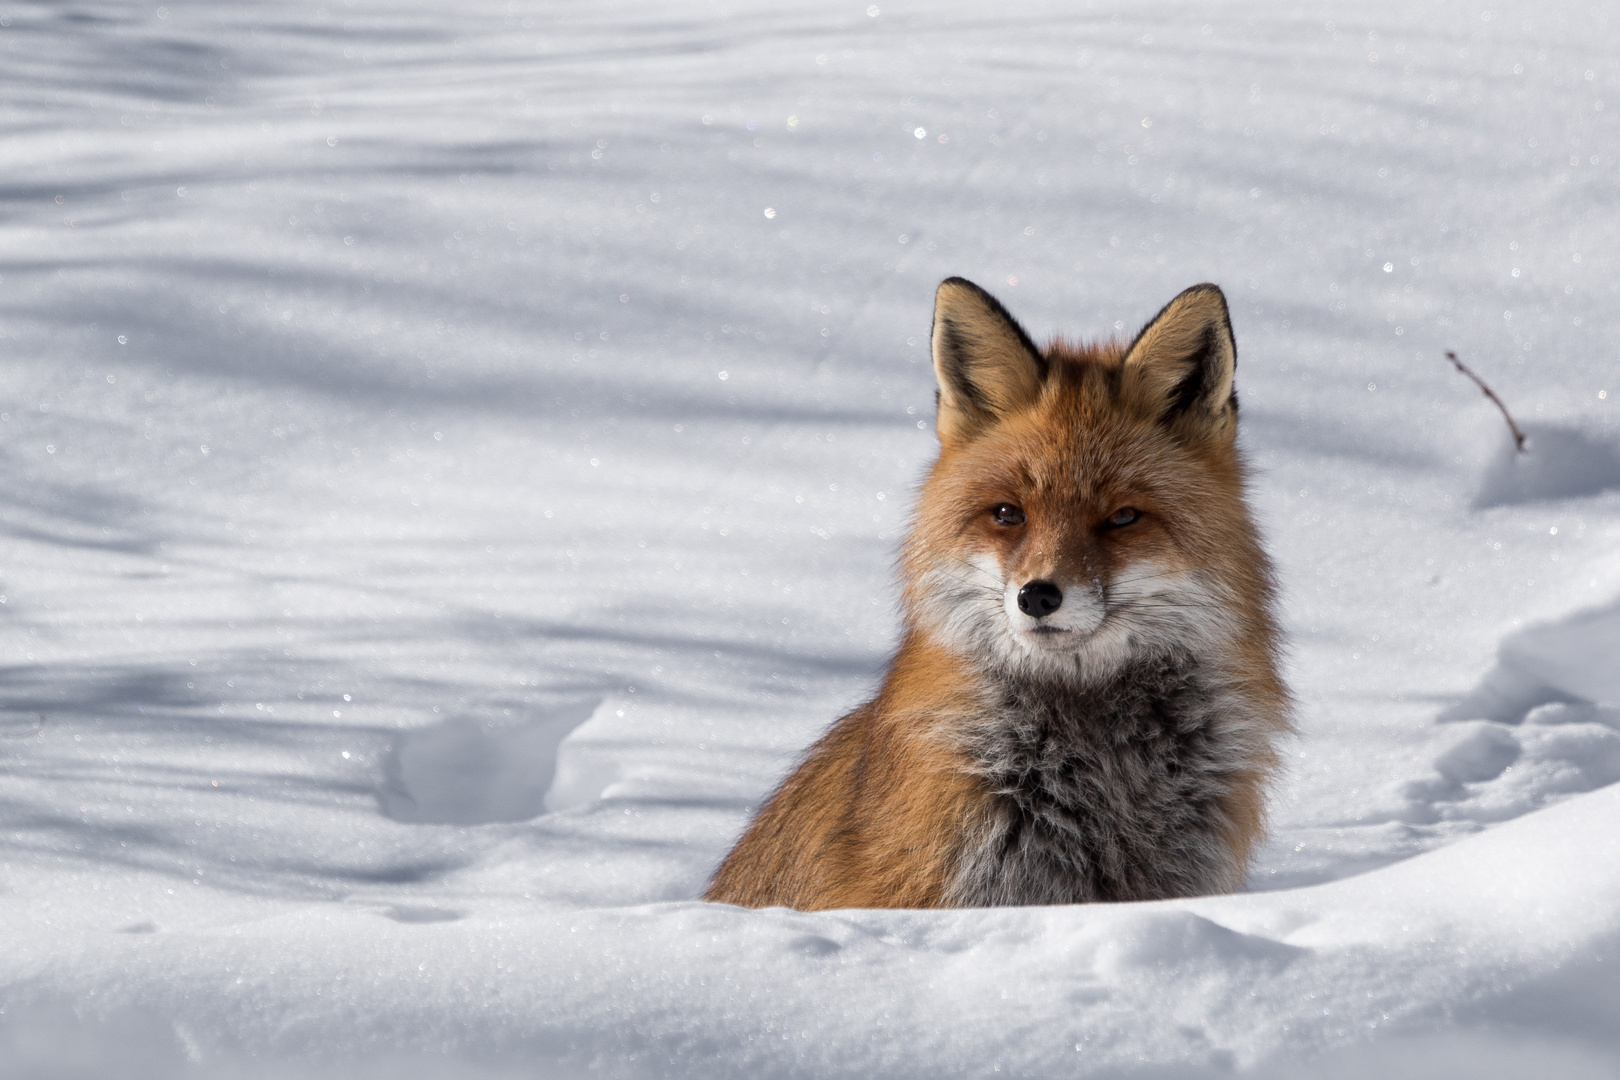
{"x": 1183, "y": 362}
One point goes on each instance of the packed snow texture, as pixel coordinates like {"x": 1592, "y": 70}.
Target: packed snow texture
{"x": 454, "y": 460}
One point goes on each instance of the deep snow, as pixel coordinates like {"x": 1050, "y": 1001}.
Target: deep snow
{"x": 420, "y": 417}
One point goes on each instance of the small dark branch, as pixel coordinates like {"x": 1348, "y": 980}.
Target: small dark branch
{"x": 1518, "y": 436}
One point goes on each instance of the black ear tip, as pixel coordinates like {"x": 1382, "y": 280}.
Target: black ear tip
{"x": 1206, "y": 288}
{"x": 961, "y": 283}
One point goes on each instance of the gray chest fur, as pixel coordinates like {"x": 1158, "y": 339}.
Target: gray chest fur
{"x": 1114, "y": 792}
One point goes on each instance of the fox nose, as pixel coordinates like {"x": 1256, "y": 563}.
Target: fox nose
{"x": 1039, "y": 599}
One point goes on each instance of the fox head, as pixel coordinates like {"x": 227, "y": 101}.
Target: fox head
{"x": 1087, "y": 505}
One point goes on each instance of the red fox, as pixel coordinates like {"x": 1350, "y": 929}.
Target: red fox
{"x": 1085, "y": 700}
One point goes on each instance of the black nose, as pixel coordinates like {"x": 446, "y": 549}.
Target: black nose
{"x": 1040, "y": 599}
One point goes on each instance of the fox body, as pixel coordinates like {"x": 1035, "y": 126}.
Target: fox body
{"x": 1085, "y": 699}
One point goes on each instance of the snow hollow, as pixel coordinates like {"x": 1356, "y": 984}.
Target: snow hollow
{"x": 454, "y": 460}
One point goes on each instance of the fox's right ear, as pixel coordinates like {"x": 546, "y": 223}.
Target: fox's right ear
{"x": 985, "y": 364}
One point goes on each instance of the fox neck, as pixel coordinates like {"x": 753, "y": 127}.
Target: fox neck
{"x": 1115, "y": 792}
{"x": 1111, "y": 788}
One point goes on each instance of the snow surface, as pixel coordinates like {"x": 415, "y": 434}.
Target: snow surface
{"x": 454, "y": 457}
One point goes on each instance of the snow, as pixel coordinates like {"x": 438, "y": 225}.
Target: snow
{"x": 1561, "y": 462}
{"x": 440, "y": 500}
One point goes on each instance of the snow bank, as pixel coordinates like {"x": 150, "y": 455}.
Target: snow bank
{"x": 1263, "y": 979}
{"x": 1575, "y": 659}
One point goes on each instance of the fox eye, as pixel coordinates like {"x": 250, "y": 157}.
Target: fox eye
{"x": 1125, "y": 515}
{"x": 1007, "y": 514}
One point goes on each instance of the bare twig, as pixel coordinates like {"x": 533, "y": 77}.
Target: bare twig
{"x": 1518, "y": 436}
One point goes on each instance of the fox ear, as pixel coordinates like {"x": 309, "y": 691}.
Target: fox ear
{"x": 1183, "y": 362}
{"x": 985, "y": 364}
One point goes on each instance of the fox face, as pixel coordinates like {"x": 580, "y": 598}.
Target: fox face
{"x": 1087, "y": 504}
